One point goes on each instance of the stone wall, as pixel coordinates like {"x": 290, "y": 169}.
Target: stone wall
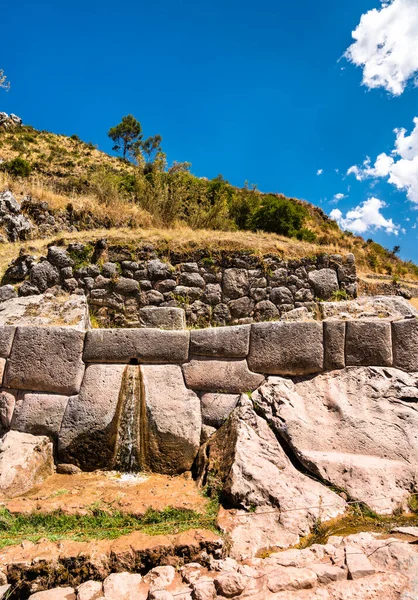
{"x": 224, "y": 288}
{"x": 161, "y": 393}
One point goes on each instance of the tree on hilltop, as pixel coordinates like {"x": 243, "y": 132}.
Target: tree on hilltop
{"x": 3, "y": 81}
{"x": 127, "y": 135}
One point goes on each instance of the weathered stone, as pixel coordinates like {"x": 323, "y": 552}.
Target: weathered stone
{"x": 192, "y": 280}
{"x": 25, "y": 461}
{"x": 39, "y": 414}
{"x": 204, "y": 590}
{"x": 66, "y": 272}
{"x": 405, "y": 344}
{"x": 173, "y": 420}
{"x": 145, "y": 285}
{"x": 206, "y": 432}
{"x": 235, "y": 283}
{"x": 144, "y": 345}
{"x": 45, "y": 310}
{"x": 160, "y": 577}
{"x": 190, "y": 267}
{"x": 109, "y": 270}
{"x": 291, "y": 578}
{"x": 228, "y": 376}
{"x": 159, "y": 270}
{"x": 7, "y": 333}
{"x": 87, "y": 435}
{"x": 70, "y": 285}
{"x": 304, "y": 295}
{"x": 165, "y": 285}
{"x": 3, "y": 591}
{"x": 190, "y": 294}
{"x": 43, "y": 275}
{"x": 241, "y": 307}
{"x": 2, "y": 367}
{"x": 162, "y": 317}
{"x": 67, "y": 469}
{"x": 258, "y": 294}
{"x": 324, "y": 283}
{"x": 7, "y": 405}
{"x": 216, "y": 408}
{"x": 281, "y": 295}
{"x": 298, "y": 314}
{"x": 48, "y": 359}
{"x": 59, "y": 258}
{"x": 221, "y": 342}
{"x": 126, "y": 286}
{"x": 278, "y": 277}
{"x": 28, "y": 289}
{"x": 129, "y": 265}
{"x": 59, "y": 593}
{"x": 368, "y": 343}
{"x": 221, "y": 314}
{"x": 90, "y": 590}
{"x": 7, "y": 292}
{"x": 123, "y": 586}
{"x": 358, "y": 564}
{"x": 286, "y": 348}
{"x": 266, "y": 311}
{"x": 212, "y": 294}
{"x": 327, "y": 573}
{"x": 367, "y": 422}
{"x": 230, "y": 585}
{"x": 334, "y": 345}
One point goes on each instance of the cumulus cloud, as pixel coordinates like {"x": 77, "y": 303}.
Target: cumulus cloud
{"x": 386, "y": 45}
{"x": 401, "y": 168}
{"x": 365, "y": 217}
{"x": 320, "y": 171}
{"x": 337, "y": 197}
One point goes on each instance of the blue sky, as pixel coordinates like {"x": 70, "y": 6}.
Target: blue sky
{"x": 255, "y": 91}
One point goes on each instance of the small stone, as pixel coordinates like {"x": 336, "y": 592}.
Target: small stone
{"x": 44, "y": 275}
{"x": 204, "y": 590}
{"x": 191, "y": 267}
{"x": 160, "y": 577}
{"x": 162, "y": 317}
{"x": 123, "y": 586}
{"x": 324, "y": 283}
{"x": 266, "y": 311}
{"x": 241, "y": 307}
{"x": 165, "y": 285}
{"x": 291, "y": 578}
{"x": 358, "y": 564}
{"x": 109, "y": 270}
{"x": 68, "y": 469}
{"x": 66, "y": 272}
{"x": 90, "y": 590}
{"x": 59, "y": 258}
{"x": 230, "y": 584}
{"x": 159, "y": 270}
{"x": 328, "y": 573}
{"x": 7, "y": 292}
{"x": 192, "y": 280}
{"x": 281, "y": 295}
{"x": 28, "y": 289}
{"x": 58, "y": 593}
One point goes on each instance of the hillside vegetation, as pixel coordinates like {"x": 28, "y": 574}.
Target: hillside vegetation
{"x": 146, "y": 199}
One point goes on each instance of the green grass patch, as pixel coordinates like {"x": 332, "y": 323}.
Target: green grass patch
{"x": 99, "y": 524}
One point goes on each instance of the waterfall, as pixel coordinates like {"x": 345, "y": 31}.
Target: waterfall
{"x": 127, "y": 456}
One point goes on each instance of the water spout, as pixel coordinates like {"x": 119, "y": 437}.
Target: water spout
{"x": 128, "y": 436}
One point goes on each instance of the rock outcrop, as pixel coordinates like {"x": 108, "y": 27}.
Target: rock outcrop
{"x": 16, "y": 225}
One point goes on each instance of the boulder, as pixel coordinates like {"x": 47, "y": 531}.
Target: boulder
{"x": 59, "y": 593}
{"x": 368, "y": 343}
{"x": 159, "y": 270}
{"x": 25, "y": 462}
{"x": 286, "y": 348}
{"x": 227, "y": 376}
{"x": 192, "y": 280}
{"x": 235, "y": 283}
{"x": 90, "y": 590}
{"x": 355, "y": 428}
{"x": 88, "y": 430}
{"x": 45, "y": 310}
{"x": 173, "y": 420}
{"x": 162, "y": 317}
{"x": 216, "y": 408}
{"x": 245, "y": 457}
{"x": 358, "y": 564}
{"x": 334, "y": 345}
{"x": 47, "y": 359}
{"x": 291, "y": 578}
{"x": 58, "y": 257}
{"x": 43, "y": 275}
{"x": 266, "y": 311}
{"x": 123, "y": 586}
{"x": 7, "y": 292}
{"x": 241, "y": 307}
{"x": 143, "y": 345}
{"x": 160, "y": 577}
{"x": 221, "y": 342}
{"x": 324, "y": 282}
{"x": 281, "y": 295}
{"x": 17, "y": 225}
{"x": 39, "y": 414}
{"x": 230, "y": 585}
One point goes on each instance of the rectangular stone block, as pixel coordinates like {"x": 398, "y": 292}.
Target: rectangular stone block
{"x": 142, "y": 345}
{"x": 7, "y": 333}
{"x": 46, "y": 359}
{"x": 334, "y": 345}
{"x": 286, "y": 348}
{"x": 39, "y": 414}
{"x": 405, "y": 344}
{"x": 368, "y": 344}
{"x": 221, "y": 342}
{"x": 227, "y": 376}
{"x": 164, "y": 317}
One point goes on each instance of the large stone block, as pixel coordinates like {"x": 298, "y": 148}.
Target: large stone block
{"x": 227, "y": 376}
{"x": 7, "y": 333}
{"x": 39, "y": 414}
{"x": 165, "y": 317}
{"x": 334, "y": 345}
{"x": 235, "y": 283}
{"x": 368, "y": 343}
{"x": 143, "y": 345}
{"x": 88, "y": 433}
{"x": 405, "y": 344}
{"x": 216, "y": 408}
{"x": 46, "y": 359}
{"x": 324, "y": 283}
{"x": 286, "y": 348}
{"x": 173, "y": 420}
{"x": 228, "y": 342}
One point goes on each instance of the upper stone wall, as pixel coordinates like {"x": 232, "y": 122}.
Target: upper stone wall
{"x": 123, "y": 285}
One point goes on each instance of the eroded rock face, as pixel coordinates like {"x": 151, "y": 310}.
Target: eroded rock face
{"x": 25, "y": 461}
{"x": 355, "y": 428}
{"x": 15, "y": 223}
{"x": 45, "y": 309}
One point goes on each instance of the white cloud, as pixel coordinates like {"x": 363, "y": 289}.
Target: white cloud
{"x": 320, "y": 171}
{"x": 337, "y": 197}
{"x": 401, "y": 168}
{"x": 386, "y": 45}
{"x": 365, "y": 217}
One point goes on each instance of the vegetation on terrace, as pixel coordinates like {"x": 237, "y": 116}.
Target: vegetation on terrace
{"x": 145, "y": 199}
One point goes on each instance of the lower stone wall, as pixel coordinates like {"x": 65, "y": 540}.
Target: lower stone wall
{"x": 89, "y": 390}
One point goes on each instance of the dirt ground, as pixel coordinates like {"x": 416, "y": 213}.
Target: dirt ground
{"x": 109, "y": 491}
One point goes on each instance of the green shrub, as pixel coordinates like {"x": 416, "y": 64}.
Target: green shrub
{"x": 279, "y": 215}
{"x": 18, "y": 167}
{"x": 306, "y": 235}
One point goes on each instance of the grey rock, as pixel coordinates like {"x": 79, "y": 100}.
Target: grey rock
{"x": 146, "y": 285}
{"x": 286, "y": 348}
{"x": 281, "y": 295}
{"x": 221, "y": 342}
{"x": 235, "y": 283}
{"x": 258, "y": 294}
{"x": 405, "y": 344}
{"x": 266, "y": 311}
{"x": 324, "y": 283}
{"x": 151, "y": 297}
{"x": 297, "y": 314}
{"x": 16, "y": 224}
{"x": 159, "y": 270}
{"x": 162, "y": 317}
{"x": 191, "y": 267}
{"x": 144, "y": 345}
{"x": 228, "y": 376}
{"x": 44, "y": 275}
{"x": 28, "y": 289}
{"x": 221, "y": 314}
{"x": 109, "y": 270}
{"x": 44, "y": 310}
{"x": 47, "y": 359}
{"x": 70, "y": 285}
{"x": 241, "y": 307}
{"x": 126, "y": 286}
{"x": 58, "y": 257}
{"x": 206, "y": 432}
{"x": 368, "y": 343}
{"x": 188, "y": 293}
{"x": 7, "y": 405}
{"x": 88, "y": 283}
{"x": 129, "y": 265}
{"x": 278, "y": 277}
{"x": 66, "y": 272}
{"x": 193, "y": 280}
{"x": 39, "y": 414}
{"x": 165, "y": 285}
{"x": 212, "y": 294}
{"x": 7, "y": 292}
{"x": 334, "y": 345}
{"x": 304, "y": 295}
{"x": 216, "y": 408}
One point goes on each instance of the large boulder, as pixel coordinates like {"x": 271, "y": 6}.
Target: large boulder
{"x": 16, "y": 224}
{"x": 324, "y": 282}
{"x": 45, "y": 310}
{"x": 228, "y": 376}
{"x": 39, "y": 414}
{"x": 25, "y": 462}
{"x": 354, "y": 428}
{"x": 245, "y": 458}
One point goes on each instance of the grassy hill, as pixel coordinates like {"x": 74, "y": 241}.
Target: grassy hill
{"x": 124, "y": 202}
